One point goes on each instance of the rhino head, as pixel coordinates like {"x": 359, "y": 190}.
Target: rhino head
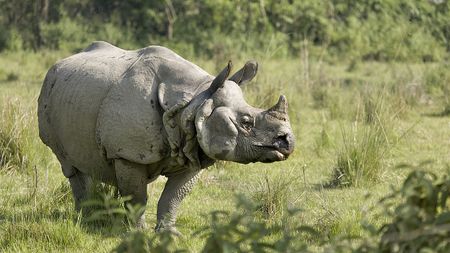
{"x": 230, "y": 129}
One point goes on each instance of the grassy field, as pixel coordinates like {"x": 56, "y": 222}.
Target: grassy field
{"x": 354, "y": 123}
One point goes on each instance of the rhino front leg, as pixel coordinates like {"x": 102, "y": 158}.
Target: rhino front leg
{"x": 132, "y": 181}
{"x": 176, "y": 188}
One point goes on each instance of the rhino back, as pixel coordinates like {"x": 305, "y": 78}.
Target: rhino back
{"x": 69, "y": 104}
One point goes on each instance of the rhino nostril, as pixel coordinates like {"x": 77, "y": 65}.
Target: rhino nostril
{"x": 283, "y": 137}
{"x": 282, "y": 141}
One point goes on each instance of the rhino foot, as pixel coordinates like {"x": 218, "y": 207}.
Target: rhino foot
{"x": 160, "y": 228}
{"x": 140, "y": 223}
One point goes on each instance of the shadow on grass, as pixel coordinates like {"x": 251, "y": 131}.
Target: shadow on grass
{"x": 327, "y": 185}
{"x": 104, "y": 228}
{"x": 443, "y": 113}
{"x": 336, "y": 181}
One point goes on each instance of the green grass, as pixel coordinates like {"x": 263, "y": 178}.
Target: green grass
{"x": 36, "y": 207}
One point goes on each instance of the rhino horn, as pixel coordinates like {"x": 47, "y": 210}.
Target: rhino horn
{"x": 281, "y": 105}
{"x": 220, "y": 79}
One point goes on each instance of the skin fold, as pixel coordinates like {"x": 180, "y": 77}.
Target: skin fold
{"x": 127, "y": 117}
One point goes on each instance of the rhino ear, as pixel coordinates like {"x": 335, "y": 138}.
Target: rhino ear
{"x": 220, "y": 78}
{"x": 246, "y": 73}
{"x": 171, "y": 96}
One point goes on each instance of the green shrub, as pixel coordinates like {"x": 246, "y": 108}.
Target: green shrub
{"x": 421, "y": 221}
{"x": 419, "y": 218}
{"x": 140, "y": 242}
{"x": 104, "y": 208}
{"x": 418, "y": 214}
{"x": 241, "y": 232}
{"x": 237, "y": 231}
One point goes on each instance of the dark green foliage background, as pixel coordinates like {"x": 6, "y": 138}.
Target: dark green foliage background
{"x": 387, "y": 30}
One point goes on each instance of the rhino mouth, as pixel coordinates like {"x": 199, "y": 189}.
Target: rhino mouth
{"x": 273, "y": 156}
{"x": 271, "y": 153}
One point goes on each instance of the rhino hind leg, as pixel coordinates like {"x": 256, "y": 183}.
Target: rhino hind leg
{"x": 80, "y": 182}
{"x": 81, "y": 185}
{"x": 132, "y": 181}
{"x": 176, "y": 188}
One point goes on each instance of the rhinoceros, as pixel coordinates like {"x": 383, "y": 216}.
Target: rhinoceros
{"x": 126, "y": 117}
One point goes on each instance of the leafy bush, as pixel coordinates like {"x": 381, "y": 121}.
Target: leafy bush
{"x": 419, "y": 214}
{"x": 140, "y": 242}
{"x": 241, "y": 232}
{"x": 237, "y": 231}
{"x": 421, "y": 221}
{"x": 105, "y": 207}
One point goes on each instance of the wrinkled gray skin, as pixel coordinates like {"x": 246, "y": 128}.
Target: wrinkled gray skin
{"x": 126, "y": 117}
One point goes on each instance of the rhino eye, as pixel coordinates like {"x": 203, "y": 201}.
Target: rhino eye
{"x": 247, "y": 122}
